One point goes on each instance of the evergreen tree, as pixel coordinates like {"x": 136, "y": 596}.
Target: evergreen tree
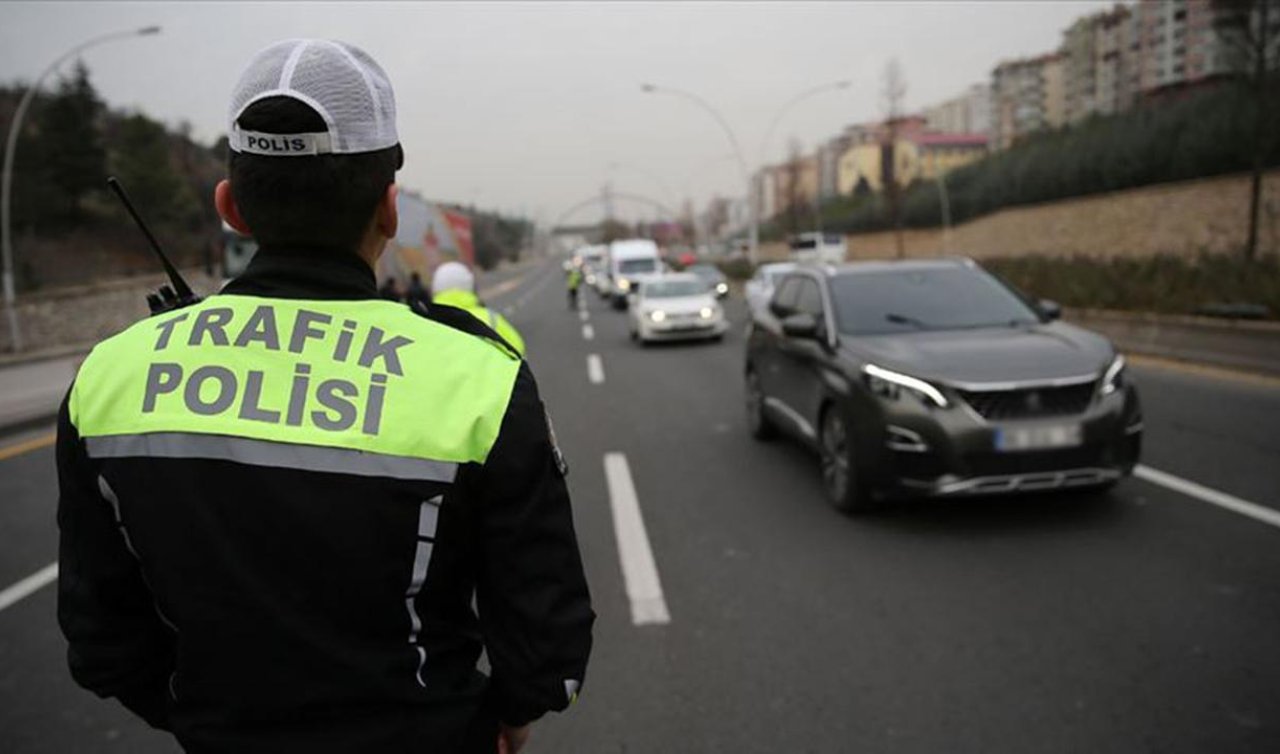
{"x": 71, "y": 142}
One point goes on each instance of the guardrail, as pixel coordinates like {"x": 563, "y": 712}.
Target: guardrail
{"x": 1236, "y": 344}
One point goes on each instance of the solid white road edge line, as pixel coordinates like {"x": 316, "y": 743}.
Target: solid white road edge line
{"x": 1200, "y": 492}
{"x": 595, "y": 369}
{"x": 29, "y": 586}
{"x": 644, "y": 589}
{"x": 588, "y": 332}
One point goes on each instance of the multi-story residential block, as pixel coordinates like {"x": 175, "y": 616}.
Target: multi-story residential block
{"x": 829, "y": 165}
{"x": 1027, "y": 95}
{"x": 1097, "y": 60}
{"x": 970, "y": 113}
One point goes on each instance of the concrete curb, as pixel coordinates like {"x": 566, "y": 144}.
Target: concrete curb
{"x": 1233, "y": 344}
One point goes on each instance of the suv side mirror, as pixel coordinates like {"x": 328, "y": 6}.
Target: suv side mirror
{"x": 1050, "y": 309}
{"x": 800, "y": 325}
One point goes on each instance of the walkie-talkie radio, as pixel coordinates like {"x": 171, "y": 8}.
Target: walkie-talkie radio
{"x": 168, "y": 297}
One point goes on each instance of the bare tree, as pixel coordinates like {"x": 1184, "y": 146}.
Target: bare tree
{"x": 1244, "y": 26}
{"x": 894, "y": 92}
{"x": 792, "y": 194}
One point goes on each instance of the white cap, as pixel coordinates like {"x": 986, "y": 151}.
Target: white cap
{"x": 340, "y": 82}
{"x": 453, "y": 276}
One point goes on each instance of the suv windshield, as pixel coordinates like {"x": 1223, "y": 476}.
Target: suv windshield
{"x": 633, "y": 266}
{"x": 945, "y": 298}
{"x": 707, "y": 272}
{"x": 674, "y": 288}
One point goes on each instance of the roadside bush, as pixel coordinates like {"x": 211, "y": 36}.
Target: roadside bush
{"x": 1164, "y": 283}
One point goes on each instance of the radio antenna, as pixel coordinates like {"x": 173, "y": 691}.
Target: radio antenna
{"x": 180, "y": 287}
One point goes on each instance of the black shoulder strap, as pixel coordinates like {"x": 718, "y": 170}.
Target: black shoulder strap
{"x": 460, "y": 319}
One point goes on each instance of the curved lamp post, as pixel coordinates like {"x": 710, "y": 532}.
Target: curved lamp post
{"x": 753, "y": 239}
{"x": 6, "y": 178}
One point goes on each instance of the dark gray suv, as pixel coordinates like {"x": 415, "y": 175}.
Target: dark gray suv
{"x": 934, "y": 378}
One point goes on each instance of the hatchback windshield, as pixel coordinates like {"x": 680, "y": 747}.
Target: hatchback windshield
{"x": 948, "y": 298}
{"x": 674, "y": 288}
{"x": 633, "y": 266}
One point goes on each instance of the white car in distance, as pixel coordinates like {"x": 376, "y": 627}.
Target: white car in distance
{"x": 679, "y": 306}
{"x": 760, "y": 287}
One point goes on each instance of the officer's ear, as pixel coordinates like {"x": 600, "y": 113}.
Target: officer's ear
{"x": 225, "y": 202}
{"x": 387, "y": 217}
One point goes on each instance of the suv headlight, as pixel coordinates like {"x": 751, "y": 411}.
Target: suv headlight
{"x": 1113, "y": 378}
{"x": 889, "y": 384}
{"x": 657, "y": 315}
{"x": 707, "y": 312}
{"x": 624, "y": 284}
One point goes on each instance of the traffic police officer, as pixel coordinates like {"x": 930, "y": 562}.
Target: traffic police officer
{"x": 573, "y": 282}
{"x": 455, "y": 285}
{"x": 278, "y": 505}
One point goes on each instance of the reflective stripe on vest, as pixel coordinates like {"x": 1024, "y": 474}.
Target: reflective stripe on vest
{"x": 347, "y": 377}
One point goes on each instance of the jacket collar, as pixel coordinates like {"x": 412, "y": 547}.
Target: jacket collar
{"x": 457, "y": 298}
{"x": 306, "y": 272}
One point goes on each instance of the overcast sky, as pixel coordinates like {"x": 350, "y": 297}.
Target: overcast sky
{"x": 534, "y": 106}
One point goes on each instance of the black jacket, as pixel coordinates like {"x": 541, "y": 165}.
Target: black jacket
{"x": 250, "y": 608}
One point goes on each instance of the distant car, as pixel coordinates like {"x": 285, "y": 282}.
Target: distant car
{"x": 712, "y": 276}
{"x": 933, "y": 378}
{"x": 818, "y": 248}
{"x": 760, "y": 287}
{"x": 675, "y": 307}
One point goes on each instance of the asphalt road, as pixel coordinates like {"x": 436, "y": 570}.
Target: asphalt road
{"x": 1143, "y": 620}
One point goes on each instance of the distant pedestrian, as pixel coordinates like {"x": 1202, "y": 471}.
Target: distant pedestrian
{"x": 390, "y": 290}
{"x": 418, "y": 296}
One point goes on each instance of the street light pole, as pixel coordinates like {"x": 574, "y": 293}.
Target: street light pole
{"x": 6, "y": 175}
{"x": 753, "y": 241}
{"x": 753, "y": 238}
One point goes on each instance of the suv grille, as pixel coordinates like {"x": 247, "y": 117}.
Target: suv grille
{"x": 1030, "y": 403}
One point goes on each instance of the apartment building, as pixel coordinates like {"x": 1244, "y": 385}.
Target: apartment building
{"x": 1098, "y": 57}
{"x": 1027, "y": 95}
{"x": 969, "y": 113}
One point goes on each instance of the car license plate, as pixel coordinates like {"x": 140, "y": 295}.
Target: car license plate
{"x": 1040, "y": 437}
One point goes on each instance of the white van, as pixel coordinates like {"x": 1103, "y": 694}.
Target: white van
{"x": 631, "y": 262}
{"x": 818, "y": 248}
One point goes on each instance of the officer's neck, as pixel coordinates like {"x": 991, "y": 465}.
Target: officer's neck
{"x": 371, "y": 248}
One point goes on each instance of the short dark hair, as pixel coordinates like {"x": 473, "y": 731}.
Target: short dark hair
{"x": 320, "y": 200}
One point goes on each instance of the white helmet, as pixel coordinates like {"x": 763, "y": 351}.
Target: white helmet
{"x": 453, "y": 276}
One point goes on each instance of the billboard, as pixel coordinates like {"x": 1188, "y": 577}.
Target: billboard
{"x": 427, "y": 236}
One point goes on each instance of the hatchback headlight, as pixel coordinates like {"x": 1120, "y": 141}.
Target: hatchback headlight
{"x": 1113, "y": 378}
{"x": 722, "y": 288}
{"x": 707, "y": 312}
{"x": 624, "y": 284}
{"x": 889, "y": 384}
{"x": 657, "y": 315}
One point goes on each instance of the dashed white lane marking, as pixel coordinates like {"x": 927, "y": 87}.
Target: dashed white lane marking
{"x": 29, "y": 586}
{"x": 583, "y": 315}
{"x": 588, "y": 332}
{"x": 639, "y": 571}
{"x": 595, "y": 369}
{"x": 1213, "y": 497}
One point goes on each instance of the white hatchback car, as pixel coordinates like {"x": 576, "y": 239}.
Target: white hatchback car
{"x": 676, "y": 307}
{"x": 760, "y": 287}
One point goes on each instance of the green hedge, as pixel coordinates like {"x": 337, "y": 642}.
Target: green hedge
{"x": 1162, "y": 283}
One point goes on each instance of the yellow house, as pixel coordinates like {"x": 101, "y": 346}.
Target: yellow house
{"x": 917, "y": 154}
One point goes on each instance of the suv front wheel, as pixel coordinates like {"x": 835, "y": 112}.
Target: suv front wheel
{"x": 758, "y": 422}
{"x": 840, "y": 479}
